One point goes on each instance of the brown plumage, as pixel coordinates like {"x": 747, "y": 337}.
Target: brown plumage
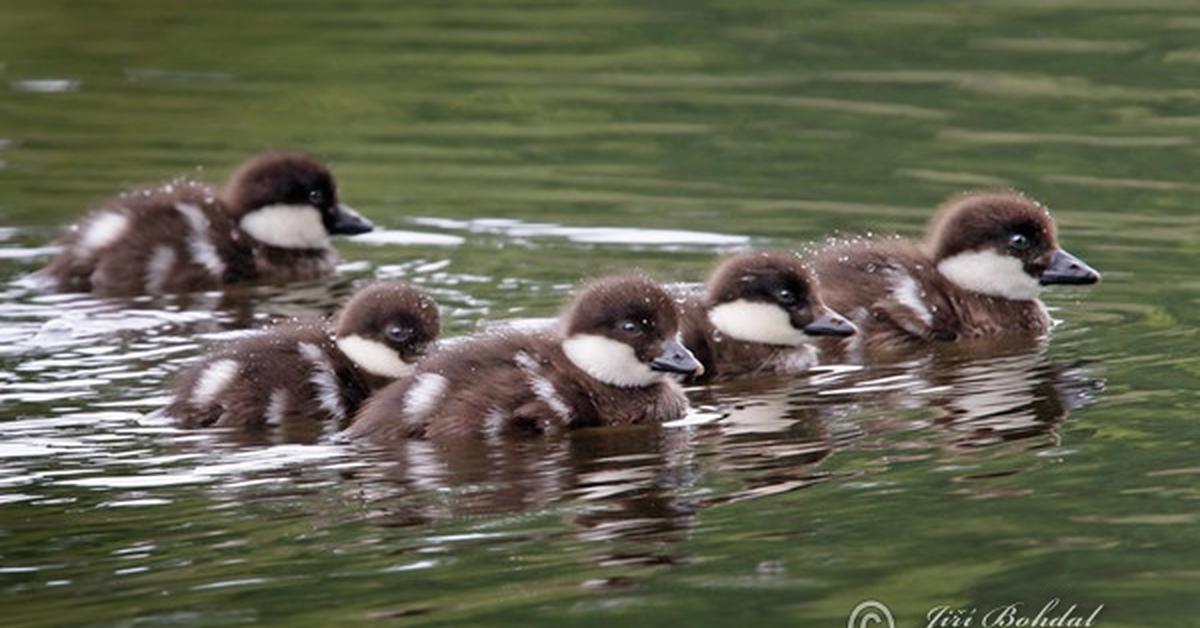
{"x": 309, "y": 371}
{"x": 603, "y": 364}
{"x": 758, "y": 314}
{"x": 977, "y": 275}
{"x": 185, "y": 236}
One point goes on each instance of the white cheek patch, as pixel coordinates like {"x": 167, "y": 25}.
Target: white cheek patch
{"x": 988, "y": 272}
{"x": 424, "y": 395}
{"x": 374, "y": 357}
{"x": 750, "y": 321}
{"x": 101, "y": 231}
{"x": 215, "y": 378}
{"x": 287, "y": 226}
{"x": 609, "y": 361}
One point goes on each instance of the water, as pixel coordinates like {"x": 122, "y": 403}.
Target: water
{"x": 510, "y": 149}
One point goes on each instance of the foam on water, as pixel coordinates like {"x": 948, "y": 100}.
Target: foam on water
{"x": 639, "y": 237}
{"x": 395, "y": 237}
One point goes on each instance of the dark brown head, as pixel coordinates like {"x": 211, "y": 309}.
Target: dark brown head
{"x": 623, "y": 331}
{"x": 769, "y": 297}
{"x": 289, "y": 200}
{"x": 386, "y": 327}
{"x": 1002, "y": 244}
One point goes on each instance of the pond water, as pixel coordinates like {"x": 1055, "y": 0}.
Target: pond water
{"x": 511, "y": 148}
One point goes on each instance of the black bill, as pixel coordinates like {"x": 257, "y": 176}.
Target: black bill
{"x": 675, "y": 358}
{"x": 346, "y": 221}
{"x": 829, "y": 323}
{"x": 1067, "y": 269}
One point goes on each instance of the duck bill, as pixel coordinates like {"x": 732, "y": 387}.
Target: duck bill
{"x": 675, "y": 358}
{"x": 1066, "y": 269}
{"x": 346, "y": 221}
{"x": 830, "y": 323}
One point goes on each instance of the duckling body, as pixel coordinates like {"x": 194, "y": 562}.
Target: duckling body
{"x": 605, "y": 363}
{"x": 309, "y": 371}
{"x": 293, "y": 372}
{"x": 272, "y": 222}
{"x": 978, "y": 275}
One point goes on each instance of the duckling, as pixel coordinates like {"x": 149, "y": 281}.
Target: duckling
{"x": 607, "y": 362}
{"x": 759, "y": 313}
{"x": 310, "y": 371}
{"x": 272, "y": 221}
{"x": 979, "y": 273}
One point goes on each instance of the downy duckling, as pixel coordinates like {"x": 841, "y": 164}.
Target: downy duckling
{"x": 606, "y": 362}
{"x": 979, "y": 273}
{"x": 271, "y": 222}
{"x": 759, "y": 313}
{"x": 310, "y": 371}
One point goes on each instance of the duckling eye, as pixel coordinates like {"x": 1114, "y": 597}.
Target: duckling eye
{"x": 634, "y": 327}
{"x": 316, "y": 197}
{"x": 398, "y": 333}
{"x": 1018, "y": 242}
{"x": 785, "y": 296}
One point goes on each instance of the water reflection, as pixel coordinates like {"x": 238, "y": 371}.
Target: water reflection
{"x": 974, "y": 393}
{"x": 760, "y": 437}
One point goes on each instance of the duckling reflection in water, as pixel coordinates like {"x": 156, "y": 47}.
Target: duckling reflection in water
{"x": 982, "y": 393}
{"x": 647, "y": 483}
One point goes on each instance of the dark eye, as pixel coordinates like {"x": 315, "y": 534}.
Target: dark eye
{"x": 316, "y": 197}
{"x": 633, "y": 327}
{"x": 1018, "y": 242}
{"x": 398, "y": 333}
{"x": 785, "y": 296}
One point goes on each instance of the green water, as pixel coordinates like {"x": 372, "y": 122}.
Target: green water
{"x": 511, "y": 149}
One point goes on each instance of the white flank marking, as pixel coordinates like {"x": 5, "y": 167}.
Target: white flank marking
{"x": 988, "y": 272}
{"x": 277, "y": 406}
{"x": 201, "y": 248}
{"x": 750, "y": 321}
{"x": 101, "y": 231}
{"x": 158, "y": 269}
{"x": 287, "y": 226}
{"x": 609, "y": 361}
{"x": 374, "y": 357}
{"x": 542, "y": 387}
{"x": 213, "y": 380}
{"x": 493, "y": 423}
{"x": 323, "y": 378}
{"x": 424, "y": 395}
{"x": 907, "y": 293}
{"x": 798, "y": 360}
{"x": 311, "y": 352}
